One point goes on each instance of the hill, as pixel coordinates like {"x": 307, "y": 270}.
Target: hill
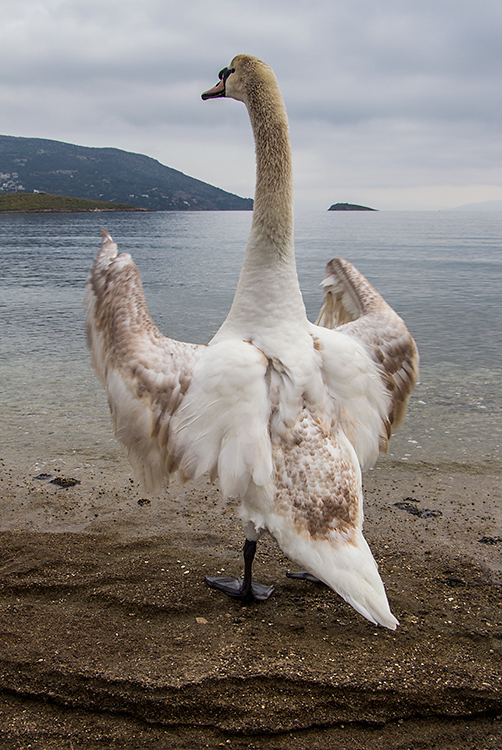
{"x": 106, "y": 174}
{"x": 40, "y": 202}
{"x": 485, "y": 206}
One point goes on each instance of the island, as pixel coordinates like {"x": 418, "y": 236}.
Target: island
{"x": 349, "y": 207}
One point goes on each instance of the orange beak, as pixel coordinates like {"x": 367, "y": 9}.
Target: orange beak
{"x": 216, "y": 91}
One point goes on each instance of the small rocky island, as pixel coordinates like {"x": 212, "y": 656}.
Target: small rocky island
{"x": 349, "y": 207}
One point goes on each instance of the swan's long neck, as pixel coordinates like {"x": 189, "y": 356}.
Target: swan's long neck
{"x": 268, "y": 296}
{"x": 273, "y": 203}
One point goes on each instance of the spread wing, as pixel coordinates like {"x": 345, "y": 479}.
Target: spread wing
{"x": 354, "y": 309}
{"x": 146, "y": 375}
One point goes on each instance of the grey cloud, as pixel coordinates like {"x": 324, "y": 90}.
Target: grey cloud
{"x": 413, "y": 86}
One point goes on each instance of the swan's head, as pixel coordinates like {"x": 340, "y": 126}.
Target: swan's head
{"x": 241, "y": 79}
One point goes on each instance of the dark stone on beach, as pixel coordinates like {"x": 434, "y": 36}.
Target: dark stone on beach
{"x": 65, "y": 482}
{"x": 425, "y": 513}
{"x": 454, "y": 581}
{"x": 43, "y": 476}
{"x": 491, "y": 540}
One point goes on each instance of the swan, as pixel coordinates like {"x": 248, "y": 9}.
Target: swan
{"x": 285, "y": 412}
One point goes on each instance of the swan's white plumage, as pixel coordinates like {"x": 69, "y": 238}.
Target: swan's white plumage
{"x": 284, "y": 412}
{"x": 356, "y": 310}
{"x": 222, "y": 425}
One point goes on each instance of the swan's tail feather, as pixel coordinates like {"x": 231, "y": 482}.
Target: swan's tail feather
{"x": 344, "y": 564}
{"x": 318, "y": 515}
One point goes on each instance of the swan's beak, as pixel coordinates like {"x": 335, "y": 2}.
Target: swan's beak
{"x": 216, "y": 91}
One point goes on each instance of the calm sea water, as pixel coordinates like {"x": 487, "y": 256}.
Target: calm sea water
{"x": 442, "y": 272}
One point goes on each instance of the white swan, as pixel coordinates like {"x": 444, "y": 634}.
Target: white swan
{"x": 285, "y": 412}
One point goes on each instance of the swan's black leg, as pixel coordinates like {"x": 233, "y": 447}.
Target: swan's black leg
{"x": 245, "y": 588}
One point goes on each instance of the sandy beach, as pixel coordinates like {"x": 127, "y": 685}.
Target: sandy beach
{"x": 110, "y": 637}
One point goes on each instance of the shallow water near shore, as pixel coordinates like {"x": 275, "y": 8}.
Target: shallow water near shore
{"x": 442, "y": 272}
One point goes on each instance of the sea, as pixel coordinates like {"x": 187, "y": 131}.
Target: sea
{"x": 441, "y": 271}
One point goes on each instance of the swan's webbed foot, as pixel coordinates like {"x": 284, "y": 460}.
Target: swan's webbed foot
{"x": 304, "y": 575}
{"x": 236, "y": 588}
{"x": 245, "y": 588}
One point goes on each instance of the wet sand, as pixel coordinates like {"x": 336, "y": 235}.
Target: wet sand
{"x": 111, "y": 639}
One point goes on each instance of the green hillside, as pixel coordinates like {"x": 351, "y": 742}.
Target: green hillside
{"x": 45, "y": 202}
{"x": 106, "y": 174}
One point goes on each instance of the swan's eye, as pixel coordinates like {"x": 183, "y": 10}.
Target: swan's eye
{"x": 223, "y": 74}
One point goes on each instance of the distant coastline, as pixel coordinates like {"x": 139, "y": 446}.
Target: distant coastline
{"x": 349, "y": 207}
{"x": 483, "y": 206}
{"x": 48, "y": 203}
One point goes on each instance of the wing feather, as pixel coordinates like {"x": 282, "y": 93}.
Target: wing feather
{"x": 354, "y": 308}
{"x": 146, "y": 375}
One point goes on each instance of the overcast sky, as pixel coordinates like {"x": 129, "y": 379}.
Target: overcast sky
{"x": 395, "y": 104}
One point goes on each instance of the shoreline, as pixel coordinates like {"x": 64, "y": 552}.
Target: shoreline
{"x": 110, "y": 628}
{"x": 72, "y": 210}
